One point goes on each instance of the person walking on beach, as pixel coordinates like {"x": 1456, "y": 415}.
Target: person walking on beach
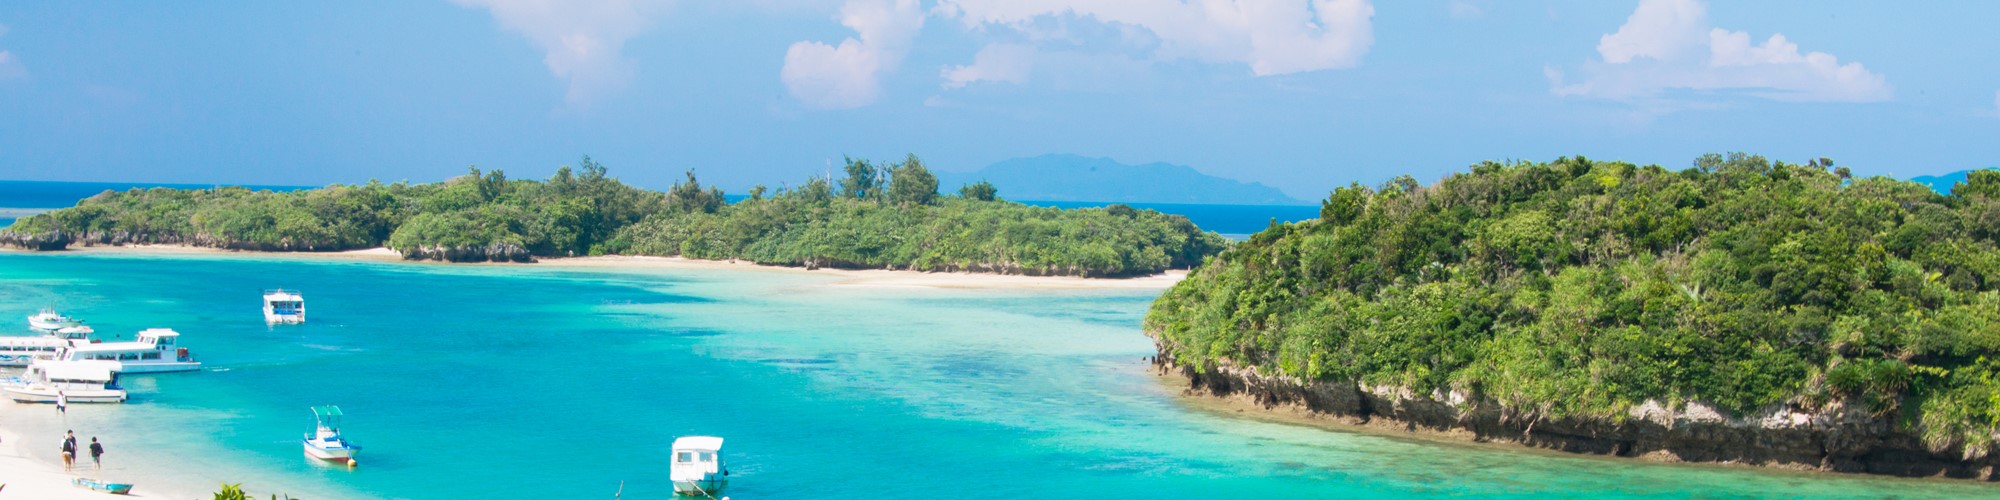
{"x": 96, "y": 453}
{"x": 62, "y": 403}
{"x": 69, "y": 451}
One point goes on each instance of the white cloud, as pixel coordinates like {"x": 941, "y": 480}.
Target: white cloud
{"x": 1272, "y": 37}
{"x": 1658, "y": 29}
{"x": 1000, "y": 62}
{"x": 1669, "y": 45}
{"x": 580, "y": 40}
{"x": 849, "y": 75}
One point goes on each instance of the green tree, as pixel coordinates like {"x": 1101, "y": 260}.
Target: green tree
{"x": 911, "y": 183}
{"x": 863, "y": 181}
{"x": 688, "y": 196}
{"x": 1345, "y": 204}
{"x": 980, "y": 191}
{"x": 1979, "y": 182}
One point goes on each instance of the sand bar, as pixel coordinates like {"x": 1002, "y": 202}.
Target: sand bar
{"x": 841, "y": 277}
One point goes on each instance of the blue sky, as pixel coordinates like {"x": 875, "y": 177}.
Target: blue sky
{"x": 1302, "y": 95}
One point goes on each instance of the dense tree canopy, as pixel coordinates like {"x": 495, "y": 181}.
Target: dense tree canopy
{"x": 1584, "y": 288}
{"x": 888, "y": 216}
{"x": 911, "y": 227}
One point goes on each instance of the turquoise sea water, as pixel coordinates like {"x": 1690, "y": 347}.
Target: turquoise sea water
{"x": 495, "y": 381}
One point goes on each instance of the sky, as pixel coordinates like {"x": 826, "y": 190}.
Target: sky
{"x": 1302, "y": 95}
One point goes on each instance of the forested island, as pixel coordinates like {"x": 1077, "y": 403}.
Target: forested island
{"x": 879, "y": 216}
{"x": 1742, "y": 311}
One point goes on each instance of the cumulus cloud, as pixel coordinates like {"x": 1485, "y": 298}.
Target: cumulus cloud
{"x": 580, "y": 40}
{"x": 849, "y": 75}
{"x": 1670, "y": 45}
{"x": 1000, "y": 62}
{"x": 1271, "y": 37}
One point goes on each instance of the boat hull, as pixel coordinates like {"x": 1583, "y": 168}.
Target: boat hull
{"x": 710, "y": 486}
{"x": 94, "y": 485}
{"x": 130, "y": 367}
{"x": 42, "y": 395}
{"x": 284, "y": 319}
{"x": 342, "y": 455}
{"x": 23, "y": 359}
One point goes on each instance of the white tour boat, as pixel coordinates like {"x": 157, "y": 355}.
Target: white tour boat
{"x": 281, "y": 306}
{"x": 20, "y": 351}
{"x": 697, "y": 467}
{"x": 49, "y": 320}
{"x": 325, "y": 442}
{"x": 153, "y": 351}
{"x": 72, "y": 381}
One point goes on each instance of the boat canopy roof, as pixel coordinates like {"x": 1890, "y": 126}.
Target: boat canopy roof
{"x": 159, "y": 332}
{"x": 281, "y": 294}
{"x": 322, "y": 412}
{"x": 698, "y": 443}
{"x": 79, "y": 370}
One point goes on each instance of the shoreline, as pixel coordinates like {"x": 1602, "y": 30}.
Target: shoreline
{"x": 31, "y": 475}
{"x": 1241, "y": 406}
{"x": 880, "y": 278}
{"x": 1245, "y": 394}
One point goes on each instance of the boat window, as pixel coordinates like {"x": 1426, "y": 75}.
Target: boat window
{"x": 685, "y": 457}
{"x": 151, "y": 355}
{"x": 707, "y": 456}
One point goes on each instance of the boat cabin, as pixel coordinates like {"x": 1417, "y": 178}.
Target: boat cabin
{"x": 281, "y": 306}
{"x": 77, "y": 376}
{"x": 152, "y": 344}
{"x": 697, "y": 466}
{"x": 20, "y": 351}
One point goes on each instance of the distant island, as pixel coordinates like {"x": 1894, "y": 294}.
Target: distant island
{"x": 1742, "y": 311}
{"x": 1943, "y": 183}
{"x": 886, "y": 216}
{"x": 1059, "y": 177}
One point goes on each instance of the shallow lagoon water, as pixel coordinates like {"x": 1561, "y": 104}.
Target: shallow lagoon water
{"x": 544, "y": 381}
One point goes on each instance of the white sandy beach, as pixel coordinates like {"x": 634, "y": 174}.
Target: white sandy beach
{"x": 31, "y": 467}
{"x": 843, "y": 277}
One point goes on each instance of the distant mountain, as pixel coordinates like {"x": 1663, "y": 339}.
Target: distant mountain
{"x": 1059, "y": 177}
{"x": 1941, "y": 183}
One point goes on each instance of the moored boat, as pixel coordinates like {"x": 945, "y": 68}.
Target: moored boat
{"x": 48, "y": 381}
{"x": 326, "y": 442}
{"x": 153, "y": 350}
{"x": 48, "y": 320}
{"x": 19, "y": 351}
{"x": 282, "y": 307}
{"x": 697, "y": 467}
{"x": 103, "y": 486}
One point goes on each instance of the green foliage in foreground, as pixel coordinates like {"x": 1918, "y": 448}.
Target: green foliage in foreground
{"x": 1585, "y": 288}
{"x": 887, "y": 216}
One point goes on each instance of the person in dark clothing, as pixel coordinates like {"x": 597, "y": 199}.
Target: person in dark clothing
{"x": 96, "y": 452}
{"x": 69, "y": 451}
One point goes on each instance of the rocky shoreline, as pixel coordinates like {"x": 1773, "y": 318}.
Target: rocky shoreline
{"x": 1838, "y": 441}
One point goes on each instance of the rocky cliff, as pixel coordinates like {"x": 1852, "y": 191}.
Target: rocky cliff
{"x": 1838, "y": 440}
